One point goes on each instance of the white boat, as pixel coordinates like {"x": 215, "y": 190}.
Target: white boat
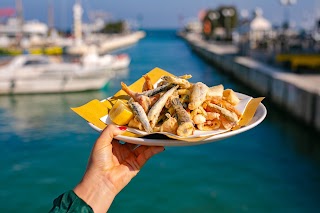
{"x": 28, "y": 74}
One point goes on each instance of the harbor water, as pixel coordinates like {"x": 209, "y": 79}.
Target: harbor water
{"x": 44, "y": 147}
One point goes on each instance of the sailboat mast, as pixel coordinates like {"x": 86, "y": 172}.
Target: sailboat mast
{"x": 50, "y": 16}
{"x": 77, "y": 21}
{"x": 19, "y": 11}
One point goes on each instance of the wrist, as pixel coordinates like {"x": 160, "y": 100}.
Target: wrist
{"x": 96, "y": 192}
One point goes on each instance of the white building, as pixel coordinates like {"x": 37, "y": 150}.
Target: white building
{"x": 29, "y": 32}
{"x": 259, "y": 28}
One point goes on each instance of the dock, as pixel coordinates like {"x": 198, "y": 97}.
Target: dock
{"x": 298, "y": 94}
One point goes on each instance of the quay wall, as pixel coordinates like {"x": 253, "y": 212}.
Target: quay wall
{"x": 297, "y": 94}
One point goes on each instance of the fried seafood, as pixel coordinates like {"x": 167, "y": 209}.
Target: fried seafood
{"x": 215, "y": 91}
{"x": 140, "y": 115}
{"x": 198, "y": 95}
{"x": 199, "y": 119}
{"x": 170, "y": 125}
{"x": 156, "y": 109}
{"x": 135, "y": 123}
{"x": 187, "y": 76}
{"x": 160, "y": 89}
{"x": 183, "y": 92}
{"x": 225, "y": 104}
{"x": 231, "y": 116}
{"x": 227, "y": 124}
{"x": 231, "y": 97}
{"x": 183, "y": 83}
{"x": 179, "y": 107}
{"x": 147, "y": 83}
{"x": 143, "y": 100}
{"x": 209, "y": 125}
{"x": 185, "y": 123}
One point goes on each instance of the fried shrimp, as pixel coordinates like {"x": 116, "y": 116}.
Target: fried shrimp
{"x": 147, "y": 83}
{"x": 143, "y": 100}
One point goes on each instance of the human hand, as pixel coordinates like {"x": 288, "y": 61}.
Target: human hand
{"x": 110, "y": 168}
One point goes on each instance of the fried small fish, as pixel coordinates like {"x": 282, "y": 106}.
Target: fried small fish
{"x": 141, "y": 115}
{"x": 185, "y": 123}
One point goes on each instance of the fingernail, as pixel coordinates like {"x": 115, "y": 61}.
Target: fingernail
{"x": 122, "y": 128}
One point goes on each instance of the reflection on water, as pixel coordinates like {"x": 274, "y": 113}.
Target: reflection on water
{"x": 39, "y": 112}
{"x": 25, "y": 113}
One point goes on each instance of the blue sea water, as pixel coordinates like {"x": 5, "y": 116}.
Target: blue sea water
{"x": 44, "y": 148}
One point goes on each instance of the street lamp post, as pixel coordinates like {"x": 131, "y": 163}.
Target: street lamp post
{"x": 286, "y": 4}
{"x": 228, "y": 13}
{"x": 214, "y": 16}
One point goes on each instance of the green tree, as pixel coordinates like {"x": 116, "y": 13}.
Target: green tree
{"x": 114, "y": 27}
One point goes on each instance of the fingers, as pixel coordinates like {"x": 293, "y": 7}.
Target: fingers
{"x": 140, "y": 150}
{"x": 140, "y": 156}
{"x": 108, "y": 134}
{"x": 131, "y": 146}
{"x": 136, "y": 149}
{"x": 145, "y": 153}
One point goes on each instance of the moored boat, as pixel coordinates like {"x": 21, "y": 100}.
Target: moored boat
{"x": 29, "y": 74}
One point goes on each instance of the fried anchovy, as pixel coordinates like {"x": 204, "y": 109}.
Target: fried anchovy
{"x": 158, "y": 90}
{"x": 185, "y": 123}
{"x": 183, "y": 83}
{"x": 155, "y": 110}
{"x": 140, "y": 114}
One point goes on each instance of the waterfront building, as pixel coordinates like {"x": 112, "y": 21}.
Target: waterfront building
{"x": 219, "y": 23}
{"x": 30, "y": 32}
{"x": 260, "y": 27}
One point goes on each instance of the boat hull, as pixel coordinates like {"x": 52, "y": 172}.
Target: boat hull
{"x": 54, "y": 85}
{"x": 37, "y": 74}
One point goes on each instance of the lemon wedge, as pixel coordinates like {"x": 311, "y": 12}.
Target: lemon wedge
{"x": 120, "y": 113}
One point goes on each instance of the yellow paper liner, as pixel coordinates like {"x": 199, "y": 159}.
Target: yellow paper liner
{"x": 249, "y": 112}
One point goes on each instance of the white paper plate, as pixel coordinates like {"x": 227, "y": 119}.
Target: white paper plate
{"x": 153, "y": 140}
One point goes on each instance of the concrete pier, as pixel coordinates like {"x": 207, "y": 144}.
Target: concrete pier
{"x": 299, "y": 94}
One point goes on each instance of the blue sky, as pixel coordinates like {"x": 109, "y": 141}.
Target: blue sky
{"x": 164, "y": 13}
